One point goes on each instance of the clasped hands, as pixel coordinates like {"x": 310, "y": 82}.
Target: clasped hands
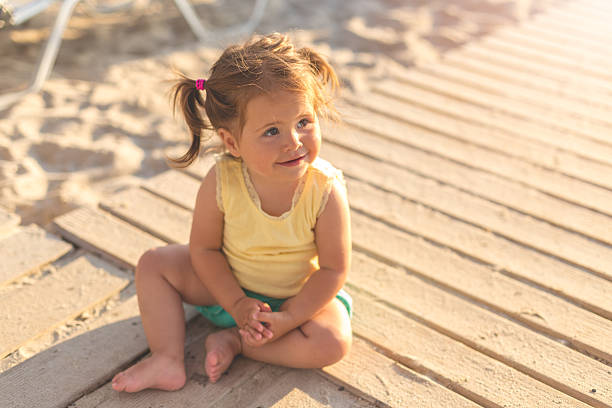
{"x": 258, "y": 324}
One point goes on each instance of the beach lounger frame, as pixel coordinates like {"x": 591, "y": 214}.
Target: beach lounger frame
{"x": 16, "y": 12}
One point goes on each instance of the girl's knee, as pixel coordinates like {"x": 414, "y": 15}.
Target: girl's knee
{"x": 343, "y": 345}
{"x": 337, "y": 345}
{"x": 150, "y": 262}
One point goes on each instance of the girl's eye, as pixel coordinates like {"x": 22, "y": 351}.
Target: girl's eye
{"x": 303, "y": 123}
{"x": 271, "y": 132}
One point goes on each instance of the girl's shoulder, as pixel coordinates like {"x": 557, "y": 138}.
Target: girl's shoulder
{"x": 325, "y": 174}
{"x": 326, "y": 178}
{"x": 228, "y": 176}
{"x": 228, "y": 167}
{"x": 324, "y": 169}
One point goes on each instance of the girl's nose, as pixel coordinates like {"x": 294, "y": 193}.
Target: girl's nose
{"x": 293, "y": 142}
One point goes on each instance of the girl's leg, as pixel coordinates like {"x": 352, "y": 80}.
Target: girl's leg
{"x": 319, "y": 342}
{"x": 164, "y": 279}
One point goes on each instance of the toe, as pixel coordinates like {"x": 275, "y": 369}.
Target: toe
{"x": 214, "y": 359}
{"x": 118, "y": 385}
{"x": 213, "y": 366}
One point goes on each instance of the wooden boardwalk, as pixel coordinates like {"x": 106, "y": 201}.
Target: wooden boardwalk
{"x": 481, "y": 196}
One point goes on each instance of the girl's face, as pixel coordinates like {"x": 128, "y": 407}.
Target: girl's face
{"x": 280, "y": 138}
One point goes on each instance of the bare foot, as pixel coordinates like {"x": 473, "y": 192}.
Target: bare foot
{"x": 160, "y": 372}
{"x": 221, "y": 348}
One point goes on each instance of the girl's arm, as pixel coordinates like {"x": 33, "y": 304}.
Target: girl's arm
{"x": 208, "y": 260}
{"x": 333, "y": 239}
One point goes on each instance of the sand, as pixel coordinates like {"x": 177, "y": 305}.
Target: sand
{"x": 103, "y": 119}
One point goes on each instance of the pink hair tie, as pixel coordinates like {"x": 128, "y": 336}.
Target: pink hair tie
{"x": 200, "y": 83}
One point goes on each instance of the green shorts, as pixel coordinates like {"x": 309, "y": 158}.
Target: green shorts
{"x": 219, "y": 317}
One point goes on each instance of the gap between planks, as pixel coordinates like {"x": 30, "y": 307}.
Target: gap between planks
{"x": 516, "y": 346}
{"x": 449, "y": 362}
{"x": 30, "y": 311}
{"x": 491, "y": 215}
{"x": 41, "y": 247}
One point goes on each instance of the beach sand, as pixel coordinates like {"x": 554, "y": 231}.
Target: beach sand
{"x": 103, "y": 119}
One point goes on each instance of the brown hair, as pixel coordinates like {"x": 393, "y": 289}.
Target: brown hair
{"x": 263, "y": 64}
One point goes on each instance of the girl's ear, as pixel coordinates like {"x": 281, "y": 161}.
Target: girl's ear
{"x": 230, "y": 142}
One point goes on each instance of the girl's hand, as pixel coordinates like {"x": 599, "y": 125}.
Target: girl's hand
{"x": 243, "y": 313}
{"x": 251, "y": 336}
{"x": 279, "y": 323}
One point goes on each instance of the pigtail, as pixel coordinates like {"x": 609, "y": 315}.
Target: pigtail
{"x": 326, "y": 77}
{"x": 321, "y": 68}
{"x": 188, "y": 99}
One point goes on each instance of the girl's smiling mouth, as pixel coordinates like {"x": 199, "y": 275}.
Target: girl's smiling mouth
{"x": 294, "y": 162}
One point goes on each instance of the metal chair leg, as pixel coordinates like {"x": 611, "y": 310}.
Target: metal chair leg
{"x": 204, "y": 35}
{"x": 48, "y": 57}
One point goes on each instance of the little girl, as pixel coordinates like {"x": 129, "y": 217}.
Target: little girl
{"x": 270, "y": 242}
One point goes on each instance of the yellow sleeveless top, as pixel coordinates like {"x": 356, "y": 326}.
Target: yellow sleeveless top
{"x": 273, "y": 256}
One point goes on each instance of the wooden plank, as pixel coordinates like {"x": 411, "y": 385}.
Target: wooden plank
{"x": 503, "y": 255}
{"x": 474, "y": 375}
{"x": 548, "y": 110}
{"x": 30, "y": 311}
{"x": 467, "y": 116}
{"x": 537, "y": 356}
{"x": 562, "y": 62}
{"x": 592, "y": 8}
{"x": 555, "y": 172}
{"x": 507, "y": 89}
{"x": 306, "y": 389}
{"x": 587, "y": 35}
{"x": 26, "y": 250}
{"x": 277, "y": 387}
{"x": 167, "y": 194}
{"x": 197, "y": 392}
{"x": 599, "y": 5}
{"x": 538, "y": 69}
{"x": 514, "y": 225}
{"x": 8, "y": 222}
{"x": 579, "y": 20}
{"x": 537, "y": 309}
{"x": 547, "y": 39}
{"x": 574, "y": 48}
{"x": 542, "y": 29}
{"x": 372, "y": 375}
{"x": 419, "y": 126}
{"x": 110, "y": 237}
{"x": 472, "y": 100}
{"x": 470, "y": 61}
{"x": 175, "y": 186}
{"x": 81, "y": 363}
{"x": 433, "y": 131}
{"x": 151, "y": 213}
